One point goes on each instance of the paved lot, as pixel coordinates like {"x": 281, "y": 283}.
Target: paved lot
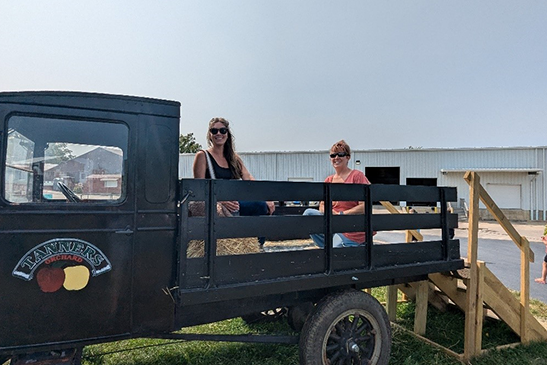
{"x": 491, "y": 229}
{"x": 499, "y": 252}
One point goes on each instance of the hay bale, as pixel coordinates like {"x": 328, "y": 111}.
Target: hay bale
{"x": 226, "y": 246}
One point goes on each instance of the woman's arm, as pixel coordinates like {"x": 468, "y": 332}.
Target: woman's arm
{"x": 200, "y": 165}
{"x": 358, "y": 209}
{"x": 245, "y": 174}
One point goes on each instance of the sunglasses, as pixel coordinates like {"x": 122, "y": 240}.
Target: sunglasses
{"x": 339, "y": 154}
{"x": 216, "y": 130}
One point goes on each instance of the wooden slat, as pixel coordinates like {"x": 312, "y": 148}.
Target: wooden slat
{"x": 524, "y": 290}
{"x": 420, "y": 315}
{"x": 501, "y": 301}
{"x": 499, "y": 215}
{"x": 449, "y": 286}
{"x": 507, "y": 307}
{"x": 435, "y": 298}
{"x": 391, "y": 302}
{"x": 411, "y": 232}
{"x": 471, "y": 304}
{"x": 480, "y": 313}
{"x": 408, "y": 236}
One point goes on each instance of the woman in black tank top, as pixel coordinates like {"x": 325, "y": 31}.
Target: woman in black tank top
{"x": 220, "y": 172}
{"x": 228, "y": 165}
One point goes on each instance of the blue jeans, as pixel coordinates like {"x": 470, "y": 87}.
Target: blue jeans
{"x": 250, "y": 208}
{"x": 338, "y": 239}
{"x": 254, "y": 208}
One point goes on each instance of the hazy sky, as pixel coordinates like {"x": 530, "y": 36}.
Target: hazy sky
{"x": 300, "y": 75}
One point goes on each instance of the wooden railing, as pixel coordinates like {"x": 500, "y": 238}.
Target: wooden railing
{"x": 481, "y": 285}
{"x": 473, "y": 320}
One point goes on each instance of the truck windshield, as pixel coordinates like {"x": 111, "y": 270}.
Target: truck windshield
{"x": 62, "y": 160}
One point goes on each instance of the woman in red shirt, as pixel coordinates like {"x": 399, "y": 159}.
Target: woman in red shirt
{"x": 340, "y": 154}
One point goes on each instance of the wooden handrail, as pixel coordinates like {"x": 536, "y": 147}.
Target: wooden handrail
{"x": 410, "y": 232}
{"x": 474, "y": 291}
{"x": 499, "y": 215}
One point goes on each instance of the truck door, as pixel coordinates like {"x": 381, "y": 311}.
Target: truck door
{"x": 67, "y": 215}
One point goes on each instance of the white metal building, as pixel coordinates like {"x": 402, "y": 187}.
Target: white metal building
{"x": 514, "y": 177}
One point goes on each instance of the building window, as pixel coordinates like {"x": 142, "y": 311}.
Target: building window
{"x": 110, "y": 183}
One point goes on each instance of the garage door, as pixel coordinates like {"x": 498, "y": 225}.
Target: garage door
{"x": 505, "y": 196}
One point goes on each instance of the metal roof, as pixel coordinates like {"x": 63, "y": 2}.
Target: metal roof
{"x": 494, "y": 169}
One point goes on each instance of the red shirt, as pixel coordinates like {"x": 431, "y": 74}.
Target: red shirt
{"x": 354, "y": 177}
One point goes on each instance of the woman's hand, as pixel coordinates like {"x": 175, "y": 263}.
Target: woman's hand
{"x": 232, "y": 206}
{"x": 271, "y": 207}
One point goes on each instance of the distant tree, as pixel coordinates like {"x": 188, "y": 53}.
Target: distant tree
{"x": 188, "y": 144}
{"x": 58, "y": 152}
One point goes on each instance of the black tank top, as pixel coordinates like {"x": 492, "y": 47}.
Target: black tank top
{"x": 220, "y": 172}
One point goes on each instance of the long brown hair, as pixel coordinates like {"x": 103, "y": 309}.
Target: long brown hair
{"x": 234, "y": 162}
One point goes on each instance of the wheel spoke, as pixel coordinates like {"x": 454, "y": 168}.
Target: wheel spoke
{"x": 335, "y": 357}
{"x": 367, "y": 352}
{"x": 364, "y": 327}
{"x": 331, "y": 348}
{"x": 363, "y": 339}
{"x": 348, "y": 329}
{"x": 347, "y": 324}
{"x": 356, "y": 319}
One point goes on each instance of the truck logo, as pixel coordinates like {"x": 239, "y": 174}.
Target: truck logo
{"x": 62, "y": 262}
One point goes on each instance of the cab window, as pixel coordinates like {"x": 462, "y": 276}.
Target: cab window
{"x": 51, "y": 160}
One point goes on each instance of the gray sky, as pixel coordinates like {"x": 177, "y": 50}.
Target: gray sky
{"x": 300, "y": 75}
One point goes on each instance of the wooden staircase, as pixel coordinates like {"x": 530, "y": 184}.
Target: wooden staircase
{"x": 495, "y": 297}
{"x": 475, "y": 289}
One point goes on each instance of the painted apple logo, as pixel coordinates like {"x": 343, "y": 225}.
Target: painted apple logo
{"x": 76, "y": 277}
{"x": 50, "y": 278}
{"x": 58, "y": 263}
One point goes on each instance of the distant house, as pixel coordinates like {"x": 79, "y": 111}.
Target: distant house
{"x": 102, "y": 184}
{"x": 99, "y": 161}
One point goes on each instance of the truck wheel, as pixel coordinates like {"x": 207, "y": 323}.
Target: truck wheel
{"x": 348, "y": 327}
{"x": 271, "y": 315}
{"x": 297, "y": 315}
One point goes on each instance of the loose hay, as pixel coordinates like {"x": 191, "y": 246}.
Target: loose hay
{"x": 226, "y": 246}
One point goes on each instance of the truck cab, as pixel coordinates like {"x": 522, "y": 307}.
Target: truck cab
{"x": 81, "y": 221}
{"x": 95, "y": 230}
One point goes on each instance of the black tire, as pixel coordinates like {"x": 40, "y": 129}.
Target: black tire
{"x": 271, "y": 315}
{"x": 297, "y": 315}
{"x": 348, "y": 327}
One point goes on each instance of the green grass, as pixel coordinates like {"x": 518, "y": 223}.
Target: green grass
{"x": 444, "y": 328}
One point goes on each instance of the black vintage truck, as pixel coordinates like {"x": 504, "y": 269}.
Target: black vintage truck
{"x": 95, "y": 230}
